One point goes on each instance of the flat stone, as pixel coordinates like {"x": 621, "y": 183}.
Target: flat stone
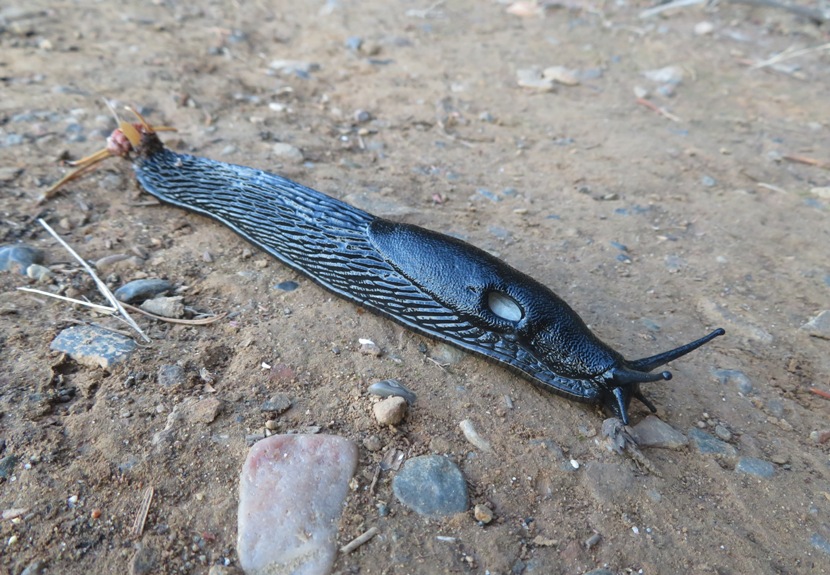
{"x": 654, "y": 432}
{"x": 431, "y": 485}
{"x": 707, "y": 444}
{"x": 94, "y": 346}
{"x": 819, "y": 326}
{"x": 205, "y": 410}
{"x": 820, "y": 543}
{"x": 7, "y": 466}
{"x": 140, "y": 290}
{"x": 756, "y": 467}
{"x": 287, "y": 152}
{"x": 291, "y": 495}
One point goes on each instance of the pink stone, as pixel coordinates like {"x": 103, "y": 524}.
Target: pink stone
{"x": 291, "y": 493}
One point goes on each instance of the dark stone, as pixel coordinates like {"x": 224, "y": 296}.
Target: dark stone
{"x": 94, "y": 346}
{"x": 140, "y": 290}
{"x": 431, "y": 485}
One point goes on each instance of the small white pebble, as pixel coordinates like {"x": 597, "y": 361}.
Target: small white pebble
{"x": 574, "y": 464}
{"x": 264, "y": 365}
{"x": 636, "y": 530}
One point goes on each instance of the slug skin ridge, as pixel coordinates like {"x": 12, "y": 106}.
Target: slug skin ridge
{"x": 429, "y": 282}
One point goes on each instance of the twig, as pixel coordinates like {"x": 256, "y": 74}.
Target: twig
{"x": 112, "y": 311}
{"x": 358, "y": 541}
{"x": 671, "y": 5}
{"x": 814, "y": 16}
{"x": 771, "y": 187}
{"x": 807, "y": 161}
{"x": 102, "y": 287}
{"x": 138, "y": 524}
{"x": 820, "y": 392}
{"x": 662, "y": 111}
{"x": 788, "y": 54}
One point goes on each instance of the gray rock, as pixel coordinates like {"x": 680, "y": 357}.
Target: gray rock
{"x": 707, "y": 444}
{"x": 33, "y": 568}
{"x": 19, "y": 257}
{"x": 654, "y": 432}
{"x": 287, "y": 285}
{"x": 7, "y": 466}
{"x": 39, "y": 273}
{"x": 287, "y": 152}
{"x": 431, "y": 485}
{"x": 170, "y": 375}
{"x": 143, "y": 561}
{"x": 756, "y": 467}
{"x": 819, "y": 326}
{"x": 94, "y": 346}
{"x": 140, "y": 290}
{"x": 735, "y": 377}
{"x": 608, "y": 483}
{"x": 600, "y": 572}
{"x": 277, "y": 404}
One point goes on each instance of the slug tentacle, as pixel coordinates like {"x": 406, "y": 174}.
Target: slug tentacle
{"x": 431, "y": 283}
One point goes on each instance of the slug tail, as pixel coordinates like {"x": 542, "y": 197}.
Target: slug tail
{"x": 649, "y": 363}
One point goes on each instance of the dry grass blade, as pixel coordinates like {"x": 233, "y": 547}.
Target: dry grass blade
{"x": 788, "y": 54}
{"x": 141, "y": 517}
{"x": 102, "y": 287}
{"x": 95, "y": 306}
{"x": 203, "y": 321}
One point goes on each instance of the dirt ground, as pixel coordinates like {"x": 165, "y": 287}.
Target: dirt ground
{"x": 700, "y": 183}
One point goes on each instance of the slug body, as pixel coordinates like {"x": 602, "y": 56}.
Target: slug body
{"x": 429, "y": 282}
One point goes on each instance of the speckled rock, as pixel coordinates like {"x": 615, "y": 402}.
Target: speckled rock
{"x": 431, "y": 485}
{"x": 291, "y": 493}
{"x": 94, "y": 346}
{"x": 756, "y": 467}
{"x": 707, "y": 444}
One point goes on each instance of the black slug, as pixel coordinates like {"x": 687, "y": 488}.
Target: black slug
{"x": 431, "y": 283}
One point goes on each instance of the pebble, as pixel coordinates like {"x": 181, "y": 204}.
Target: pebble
{"x": 703, "y": 28}
{"x": 39, "y": 273}
{"x": 165, "y": 306}
{"x": 287, "y": 285}
{"x": 368, "y": 347}
{"x": 820, "y": 437}
{"x": 654, "y": 432}
{"x": 296, "y": 67}
{"x": 372, "y": 443}
{"x": 140, "y": 290}
{"x": 708, "y": 181}
{"x": 19, "y": 257}
{"x": 431, "y": 485}
{"x": 483, "y": 513}
{"x": 118, "y": 262}
{"x": 7, "y": 174}
{"x": 600, "y": 572}
{"x": 287, "y": 152}
{"x": 561, "y": 75}
{"x": 471, "y": 435}
{"x": 735, "y": 376}
{"x": 390, "y": 411}
{"x": 667, "y": 75}
{"x": 755, "y": 466}
{"x": 292, "y": 488}
{"x": 708, "y": 444}
{"x": 94, "y": 346}
{"x": 532, "y": 78}
{"x": 819, "y": 326}
{"x": 34, "y": 568}
{"x": 722, "y": 433}
{"x": 278, "y": 404}
{"x": 170, "y": 375}
{"x": 446, "y": 354}
{"x": 390, "y": 388}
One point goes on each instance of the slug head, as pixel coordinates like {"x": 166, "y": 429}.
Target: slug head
{"x": 622, "y": 382}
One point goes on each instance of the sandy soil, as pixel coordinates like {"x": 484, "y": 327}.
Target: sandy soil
{"x": 721, "y": 229}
